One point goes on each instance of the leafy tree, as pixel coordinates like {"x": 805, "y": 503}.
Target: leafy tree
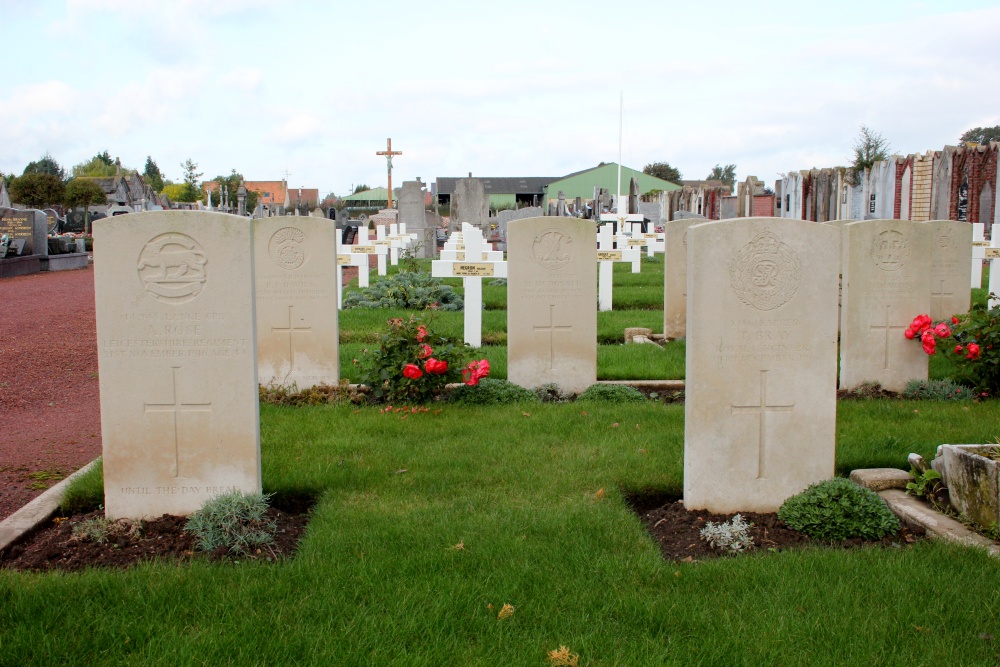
{"x": 84, "y": 192}
{"x": 99, "y": 166}
{"x": 725, "y": 174}
{"x": 663, "y": 170}
{"x": 232, "y": 183}
{"x": 360, "y": 188}
{"x": 45, "y": 165}
{"x": 190, "y": 192}
{"x": 152, "y": 174}
{"x": 174, "y": 191}
{"x": 37, "y": 190}
{"x": 870, "y": 147}
{"x": 982, "y": 135}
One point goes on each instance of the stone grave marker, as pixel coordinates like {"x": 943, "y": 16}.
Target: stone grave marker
{"x": 886, "y": 283}
{"x": 470, "y": 203}
{"x": 675, "y": 257}
{"x": 951, "y": 249}
{"x": 552, "y": 302}
{"x": 760, "y": 404}
{"x": 29, "y": 225}
{"x": 177, "y": 356}
{"x": 296, "y": 297}
{"x": 992, "y": 254}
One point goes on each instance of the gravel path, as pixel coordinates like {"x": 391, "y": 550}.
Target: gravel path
{"x": 50, "y": 420}
{"x": 50, "y": 412}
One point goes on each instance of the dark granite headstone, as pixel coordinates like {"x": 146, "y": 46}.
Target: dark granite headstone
{"x": 21, "y": 225}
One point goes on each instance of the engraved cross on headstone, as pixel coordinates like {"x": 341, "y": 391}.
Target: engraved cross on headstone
{"x": 175, "y": 407}
{"x": 762, "y": 408}
{"x": 886, "y": 328}
{"x": 941, "y": 294}
{"x": 552, "y": 330}
{"x": 291, "y": 329}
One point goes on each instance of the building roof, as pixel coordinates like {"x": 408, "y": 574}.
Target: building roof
{"x": 503, "y": 185}
{"x": 581, "y": 183}
{"x": 271, "y": 192}
{"x": 307, "y": 195}
{"x": 374, "y": 194}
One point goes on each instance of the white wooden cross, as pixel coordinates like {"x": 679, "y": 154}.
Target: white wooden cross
{"x": 606, "y": 258}
{"x": 356, "y": 255}
{"x": 655, "y": 242}
{"x": 621, "y": 217}
{"x": 455, "y": 250}
{"x": 383, "y": 243}
{"x": 993, "y": 255}
{"x": 472, "y": 274}
{"x": 979, "y": 246}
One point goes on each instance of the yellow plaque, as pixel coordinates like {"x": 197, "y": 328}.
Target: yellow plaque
{"x": 980, "y": 244}
{"x": 993, "y": 253}
{"x": 637, "y": 241}
{"x": 343, "y": 260}
{"x": 459, "y": 256}
{"x": 472, "y": 269}
{"x": 650, "y": 236}
{"x": 383, "y": 242}
{"x": 362, "y": 249}
{"x": 609, "y": 255}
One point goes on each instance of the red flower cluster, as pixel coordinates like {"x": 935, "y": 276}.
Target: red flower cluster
{"x": 971, "y": 351}
{"x": 436, "y": 366}
{"x": 421, "y": 333}
{"x": 922, "y": 326}
{"x": 431, "y": 365}
{"x": 475, "y": 371}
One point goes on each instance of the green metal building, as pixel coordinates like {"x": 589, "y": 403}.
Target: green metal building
{"x": 581, "y": 184}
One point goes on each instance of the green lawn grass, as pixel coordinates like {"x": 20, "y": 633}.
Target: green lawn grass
{"x": 380, "y": 579}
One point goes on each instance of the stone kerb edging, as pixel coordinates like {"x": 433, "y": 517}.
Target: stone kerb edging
{"x": 30, "y": 518}
{"x": 890, "y": 485}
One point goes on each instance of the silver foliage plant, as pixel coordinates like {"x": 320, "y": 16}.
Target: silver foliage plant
{"x": 729, "y": 536}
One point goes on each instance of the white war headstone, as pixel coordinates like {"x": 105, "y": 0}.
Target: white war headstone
{"x": 993, "y": 255}
{"x": 760, "y": 405}
{"x": 951, "y": 249}
{"x": 675, "y": 276}
{"x": 178, "y": 360}
{"x": 552, "y": 302}
{"x": 979, "y": 246}
{"x": 607, "y": 255}
{"x": 886, "y": 283}
{"x": 296, "y": 279}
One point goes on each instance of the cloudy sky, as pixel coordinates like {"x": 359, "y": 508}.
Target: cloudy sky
{"x": 511, "y": 88}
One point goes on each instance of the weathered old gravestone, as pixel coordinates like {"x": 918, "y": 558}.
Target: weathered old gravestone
{"x": 552, "y": 302}
{"x": 296, "y": 278}
{"x": 469, "y": 203}
{"x": 411, "y": 214}
{"x": 886, "y": 283}
{"x": 675, "y": 276}
{"x": 760, "y": 403}
{"x": 178, "y": 360}
{"x": 951, "y": 250}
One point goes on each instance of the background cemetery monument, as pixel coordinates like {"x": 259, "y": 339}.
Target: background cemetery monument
{"x": 178, "y": 360}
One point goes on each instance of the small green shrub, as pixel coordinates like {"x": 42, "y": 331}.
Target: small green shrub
{"x": 940, "y": 390}
{"x": 99, "y": 530}
{"x": 551, "y": 393}
{"x": 839, "y": 509}
{"x": 406, "y": 289}
{"x": 321, "y": 394}
{"x": 612, "y": 393}
{"x": 730, "y": 537}
{"x": 492, "y": 392}
{"x": 236, "y": 521}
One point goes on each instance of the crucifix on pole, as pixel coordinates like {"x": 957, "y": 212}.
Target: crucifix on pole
{"x": 388, "y": 153}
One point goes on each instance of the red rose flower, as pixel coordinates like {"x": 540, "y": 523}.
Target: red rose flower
{"x": 958, "y": 349}
{"x": 425, "y": 351}
{"x": 942, "y": 330}
{"x": 909, "y": 333}
{"x": 954, "y": 320}
{"x": 412, "y": 371}
{"x": 421, "y": 333}
{"x": 921, "y": 323}
{"x": 973, "y": 351}
{"x": 436, "y": 366}
{"x": 475, "y": 371}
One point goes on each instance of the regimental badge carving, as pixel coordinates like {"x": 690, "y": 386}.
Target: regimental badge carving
{"x": 172, "y": 268}
{"x": 765, "y": 273}
{"x": 945, "y": 237}
{"x": 890, "y": 250}
{"x": 287, "y": 248}
{"x": 552, "y": 249}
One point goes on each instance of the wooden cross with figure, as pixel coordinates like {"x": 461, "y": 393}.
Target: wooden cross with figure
{"x": 388, "y": 153}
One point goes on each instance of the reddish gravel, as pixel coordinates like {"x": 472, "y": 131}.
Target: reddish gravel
{"x": 50, "y": 418}
{"x": 50, "y": 421}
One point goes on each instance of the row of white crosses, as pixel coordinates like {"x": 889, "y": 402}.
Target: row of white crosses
{"x": 654, "y": 242}
{"x": 607, "y": 255}
{"x": 467, "y": 256}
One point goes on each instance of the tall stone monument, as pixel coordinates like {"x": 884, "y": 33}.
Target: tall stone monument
{"x": 552, "y": 302}
{"x": 412, "y": 214}
{"x": 177, "y": 356}
{"x": 295, "y": 264}
{"x": 469, "y": 203}
{"x": 760, "y": 405}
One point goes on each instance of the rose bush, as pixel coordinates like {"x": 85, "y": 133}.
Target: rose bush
{"x": 975, "y": 358}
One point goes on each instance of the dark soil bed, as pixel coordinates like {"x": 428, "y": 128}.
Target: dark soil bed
{"x": 678, "y": 531}
{"x": 163, "y": 539}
